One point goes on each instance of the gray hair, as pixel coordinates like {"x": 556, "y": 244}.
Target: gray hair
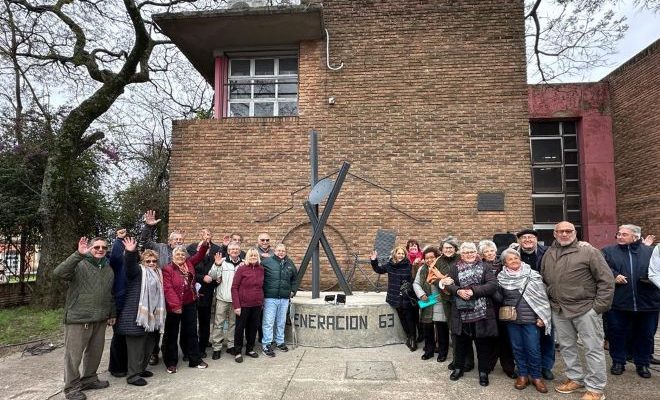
{"x": 467, "y": 246}
{"x": 509, "y": 252}
{"x": 180, "y": 249}
{"x": 171, "y": 236}
{"x": 485, "y": 245}
{"x": 451, "y": 241}
{"x": 233, "y": 244}
{"x": 636, "y": 230}
{"x": 280, "y": 246}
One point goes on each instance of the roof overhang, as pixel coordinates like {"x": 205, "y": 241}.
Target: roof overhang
{"x": 201, "y": 34}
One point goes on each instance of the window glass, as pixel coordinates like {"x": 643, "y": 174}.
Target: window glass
{"x": 547, "y": 180}
{"x": 570, "y": 157}
{"x": 573, "y": 202}
{"x": 574, "y": 217}
{"x": 569, "y": 128}
{"x": 288, "y": 66}
{"x": 239, "y": 110}
{"x": 263, "y": 109}
{"x": 544, "y": 128}
{"x": 264, "y": 89}
{"x": 546, "y": 151}
{"x": 239, "y": 68}
{"x": 572, "y": 187}
{"x": 264, "y": 66}
{"x": 570, "y": 143}
{"x": 240, "y": 90}
{"x": 288, "y": 109}
{"x": 287, "y": 89}
{"x": 548, "y": 209}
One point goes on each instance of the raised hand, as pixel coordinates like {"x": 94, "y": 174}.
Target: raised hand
{"x": 130, "y": 244}
{"x": 121, "y": 233}
{"x": 150, "y": 218}
{"x": 82, "y": 246}
{"x": 648, "y": 240}
{"x": 374, "y": 255}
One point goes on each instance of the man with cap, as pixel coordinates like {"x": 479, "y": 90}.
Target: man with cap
{"x": 531, "y": 253}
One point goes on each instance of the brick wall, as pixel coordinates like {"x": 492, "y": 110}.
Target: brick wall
{"x": 431, "y": 104}
{"x": 635, "y": 97}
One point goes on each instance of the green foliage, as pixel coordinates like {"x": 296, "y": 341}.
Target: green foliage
{"x": 22, "y": 324}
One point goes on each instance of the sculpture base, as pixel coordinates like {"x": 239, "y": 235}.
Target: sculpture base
{"x": 366, "y": 320}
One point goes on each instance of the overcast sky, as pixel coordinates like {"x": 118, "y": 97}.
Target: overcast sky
{"x": 643, "y": 30}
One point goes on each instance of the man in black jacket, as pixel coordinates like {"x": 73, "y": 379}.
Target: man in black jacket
{"x": 636, "y": 301}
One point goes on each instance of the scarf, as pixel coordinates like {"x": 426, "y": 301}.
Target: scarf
{"x": 97, "y": 262}
{"x": 151, "y": 308}
{"x": 535, "y": 295}
{"x": 470, "y": 275}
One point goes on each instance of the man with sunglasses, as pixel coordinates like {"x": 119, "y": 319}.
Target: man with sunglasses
{"x": 89, "y": 308}
{"x": 580, "y": 287}
{"x": 263, "y": 246}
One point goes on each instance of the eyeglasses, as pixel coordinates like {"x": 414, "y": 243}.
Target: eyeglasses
{"x": 622, "y": 234}
{"x": 528, "y": 237}
{"x": 100, "y": 247}
{"x": 469, "y": 252}
{"x": 150, "y": 261}
{"x": 564, "y": 231}
{"x": 264, "y": 240}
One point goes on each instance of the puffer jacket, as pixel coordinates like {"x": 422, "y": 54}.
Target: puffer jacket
{"x": 632, "y": 261}
{"x": 397, "y": 274}
{"x": 179, "y": 291}
{"x": 89, "y": 296}
{"x": 279, "y": 277}
{"x": 525, "y": 313}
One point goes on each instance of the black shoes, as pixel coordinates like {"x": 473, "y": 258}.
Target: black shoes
{"x": 643, "y": 371}
{"x": 118, "y": 374}
{"x": 146, "y": 374}
{"x": 469, "y": 368}
{"x": 513, "y": 374}
{"x": 547, "y": 374}
{"x": 137, "y": 382}
{"x": 483, "y": 378}
{"x": 282, "y": 347}
{"x": 456, "y": 374}
{"x": 654, "y": 360}
{"x": 617, "y": 369}
{"x": 216, "y": 354}
{"x": 427, "y": 356}
{"x": 252, "y": 354}
{"x": 441, "y": 358}
{"x": 203, "y": 354}
{"x": 153, "y": 359}
{"x": 233, "y": 351}
{"x": 98, "y": 384}
{"x": 268, "y": 350}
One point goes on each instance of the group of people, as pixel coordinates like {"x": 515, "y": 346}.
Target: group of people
{"x": 515, "y": 307}
{"x": 173, "y": 290}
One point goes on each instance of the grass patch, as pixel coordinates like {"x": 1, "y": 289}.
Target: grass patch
{"x": 23, "y": 324}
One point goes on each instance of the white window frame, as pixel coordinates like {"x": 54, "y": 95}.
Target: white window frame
{"x": 276, "y": 77}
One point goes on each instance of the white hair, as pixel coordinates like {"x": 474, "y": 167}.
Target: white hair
{"x": 636, "y": 230}
{"x": 467, "y": 246}
{"x": 485, "y": 245}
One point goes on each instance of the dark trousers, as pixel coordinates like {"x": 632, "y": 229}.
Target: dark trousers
{"x": 246, "y": 325}
{"x": 485, "y": 346}
{"x": 139, "y": 350}
{"x": 156, "y": 348}
{"x": 408, "y": 318}
{"x": 204, "y": 318}
{"x": 118, "y": 361}
{"x": 503, "y": 350}
{"x": 641, "y": 325}
{"x": 469, "y": 356}
{"x": 187, "y": 323}
{"x": 431, "y": 329}
{"x": 547, "y": 349}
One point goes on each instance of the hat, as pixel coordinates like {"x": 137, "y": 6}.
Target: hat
{"x": 527, "y": 232}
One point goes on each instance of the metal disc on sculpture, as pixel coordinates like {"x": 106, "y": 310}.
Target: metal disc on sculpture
{"x": 321, "y": 191}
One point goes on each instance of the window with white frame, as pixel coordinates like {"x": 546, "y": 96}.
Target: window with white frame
{"x": 263, "y": 86}
{"x": 555, "y": 176}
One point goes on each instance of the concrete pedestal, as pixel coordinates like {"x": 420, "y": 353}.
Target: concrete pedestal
{"x": 366, "y": 320}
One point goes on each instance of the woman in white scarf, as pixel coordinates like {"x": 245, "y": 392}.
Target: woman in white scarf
{"x": 144, "y": 311}
{"x": 523, "y": 288}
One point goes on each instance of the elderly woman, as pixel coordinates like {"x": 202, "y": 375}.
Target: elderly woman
{"x": 143, "y": 315}
{"x": 488, "y": 253}
{"x": 247, "y": 296}
{"x": 399, "y": 271}
{"x": 433, "y": 318}
{"x": 523, "y": 288}
{"x": 180, "y": 296}
{"x": 473, "y": 315}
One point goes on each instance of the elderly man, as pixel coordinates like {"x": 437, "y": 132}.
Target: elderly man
{"x": 263, "y": 246}
{"x": 531, "y": 253}
{"x": 222, "y": 272}
{"x": 89, "y": 307}
{"x": 636, "y": 301}
{"x": 164, "y": 251}
{"x": 279, "y": 284}
{"x": 580, "y": 288}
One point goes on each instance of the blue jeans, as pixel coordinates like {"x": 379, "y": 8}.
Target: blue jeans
{"x": 526, "y": 346}
{"x": 547, "y": 349}
{"x": 639, "y": 327}
{"x": 274, "y": 314}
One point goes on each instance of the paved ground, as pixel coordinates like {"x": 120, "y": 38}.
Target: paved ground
{"x": 390, "y": 372}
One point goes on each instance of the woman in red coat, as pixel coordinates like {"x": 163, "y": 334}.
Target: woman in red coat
{"x": 180, "y": 296}
{"x": 247, "y": 295}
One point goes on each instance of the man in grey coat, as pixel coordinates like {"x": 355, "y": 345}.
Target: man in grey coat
{"x": 89, "y": 307}
{"x": 580, "y": 289}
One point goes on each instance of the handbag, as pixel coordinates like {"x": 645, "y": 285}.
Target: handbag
{"x": 464, "y": 305}
{"x": 509, "y": 313}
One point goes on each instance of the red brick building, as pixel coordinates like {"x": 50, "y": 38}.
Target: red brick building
{"x": 430, "y": 107}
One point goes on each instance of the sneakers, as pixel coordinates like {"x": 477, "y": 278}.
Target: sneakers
{"x": 569, "y": 386}
{"x": 171, "y": 369}
{"x": 589, "y": 395}
{"x": 95, "y": 385}
{"x": 282, "y": 347}
{"x": 268, "y": 350}
{"x": 75, "y": 395}
{"x": 153, "y": 359}
{"x": 202, "y": 365}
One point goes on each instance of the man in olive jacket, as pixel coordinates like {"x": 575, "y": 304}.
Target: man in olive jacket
{"x": 580, "y": 288}
{"x": 89, "y": 307}
{"x": 279, "y": 283}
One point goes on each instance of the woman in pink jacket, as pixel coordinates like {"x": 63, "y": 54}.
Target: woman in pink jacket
{"x": 247, "y": 295}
